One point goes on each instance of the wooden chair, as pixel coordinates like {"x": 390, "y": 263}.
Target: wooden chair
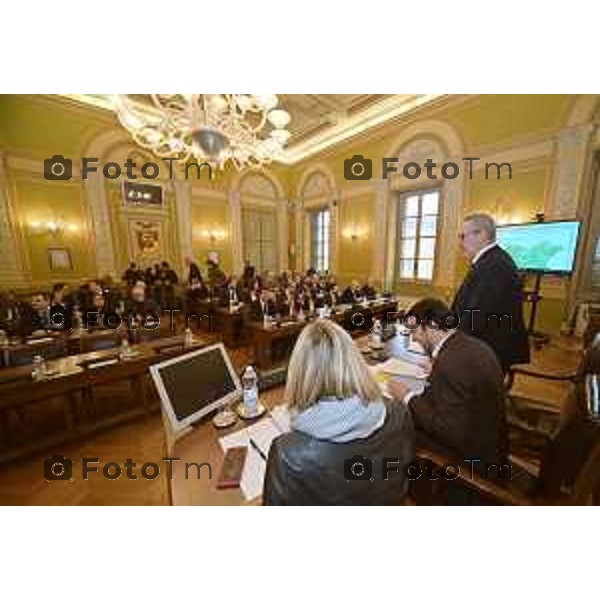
{"x": 23, "y": 353}
{"x": 533, "y": 425}
{"x": 100, "y": 340}
{"x": 142, "y": 335}
{"x": 568, "y": 474}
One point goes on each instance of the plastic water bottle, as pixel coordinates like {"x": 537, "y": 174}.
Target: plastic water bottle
{"x": 188, "y": 338}
{"x": 124, "y": 351}
{"x": 250, "y": 387}
{"x": 376, "y": 335}
{"x": 37, "y": 372}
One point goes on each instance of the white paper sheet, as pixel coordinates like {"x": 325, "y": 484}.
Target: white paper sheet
{"x": 262, "y": 433}
{"x": 398, "y": 366}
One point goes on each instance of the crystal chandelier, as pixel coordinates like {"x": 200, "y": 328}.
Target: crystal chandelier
{"x": 246, "y": 129}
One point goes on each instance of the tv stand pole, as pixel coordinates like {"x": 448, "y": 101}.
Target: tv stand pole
{"x": 538, "y": 337}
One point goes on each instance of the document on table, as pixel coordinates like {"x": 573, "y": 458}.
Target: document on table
{"x": 262, "y": 433}
{"x": 398, "y": 366}
{"x": 382, "y": 377}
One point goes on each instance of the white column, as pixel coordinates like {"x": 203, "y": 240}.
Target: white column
{"x": 380, "y": 211}
{"x": 570, "y": 165}
{"x": 183, "y": 206}
{"x": 100, "y": 216}
{"x": 334, "y": 201}
{"x": 299, "y": 225}
{"x": 450, "y": 205}
{"x": 282, "y": 233}
{"x": 235, "y": 212}
{"x": 11, "y": 271}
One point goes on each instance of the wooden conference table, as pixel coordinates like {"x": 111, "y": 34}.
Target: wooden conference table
{"x": 82, "y": 394}
{"x": 201, "y": 445}
{"x": 284, "y": 332}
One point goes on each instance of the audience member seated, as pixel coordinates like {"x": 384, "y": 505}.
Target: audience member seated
{"x": 35, "y": 320}
{"x": 462, "y": 411}
{"x": 337, "y": 413}
{"x": 60, "y": 296}
{"x": 368, "y": 291}
{"x": 193, "y": 270}
{"x": 196, "y": 293}
{"x": 215, "y": 275}
{"x": 166, "y": 281}
{"x": 10, "y": 312}
{"x": 264, "y": 306}
{"x": 232, "y": 293}
{"x": 94, "y": 318}
{"x": 352, "y": 294}
{"x": 132, "y": 275}
{"x": 139, "y": 307}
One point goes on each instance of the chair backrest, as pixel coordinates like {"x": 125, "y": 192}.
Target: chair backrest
{"x": 49, "y": 349}
{"x": 569, "y": 471}
{"x": 100, "y": 340}
{"x": 588, "y": 384}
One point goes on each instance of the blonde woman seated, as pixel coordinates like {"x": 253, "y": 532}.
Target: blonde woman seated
{"x": 342, "y": 430}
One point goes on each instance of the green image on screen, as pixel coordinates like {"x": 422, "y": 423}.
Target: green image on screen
{"x": 548, "y": 247}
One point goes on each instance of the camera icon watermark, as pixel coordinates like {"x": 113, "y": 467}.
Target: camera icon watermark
{"x": 358, "y": 168}
{"x": 58, "y": 168}
{"x": 358, "y": 318}
{"x": 358, "y": 468}
{"x": 58, "y": 468}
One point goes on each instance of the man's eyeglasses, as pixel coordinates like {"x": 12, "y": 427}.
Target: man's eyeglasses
{"x": 463, "y": 235}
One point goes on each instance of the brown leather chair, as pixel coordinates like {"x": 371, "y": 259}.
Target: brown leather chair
{"x": 569, "y": 472}
{"x": 533, "y": 425}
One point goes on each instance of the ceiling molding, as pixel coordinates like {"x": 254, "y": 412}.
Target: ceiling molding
{"x": 334, "y": 118}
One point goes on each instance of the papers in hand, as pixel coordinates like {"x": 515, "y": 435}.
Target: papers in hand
{"x": 397, "y": 366}
{"x": 415, "y": 383}
{"x": 262, "y": 434}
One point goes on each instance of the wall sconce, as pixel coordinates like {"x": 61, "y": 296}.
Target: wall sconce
{"x": 353, "y": 233}
{"x": 53, "y": 227}
{"x": 213, "y": 235}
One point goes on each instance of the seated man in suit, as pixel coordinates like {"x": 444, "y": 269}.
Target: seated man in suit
{"x": 194, "y": 270}
{"x": 368, "y": 290}
{"x": 10, "y": 310}
{"x": 131, "y": 275}
{"x": 197, "y": 290}
{"x": 231, "y": 293}
{"x": 35, "y": 319}
{"x": 264, "y": 306}
{"x": 352, "y": 294}
{"x": 461, "y": 412}
{"x": 139, "y": 307}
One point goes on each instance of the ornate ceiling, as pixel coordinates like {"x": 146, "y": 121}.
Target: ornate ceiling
{"x": 320, "y": 121}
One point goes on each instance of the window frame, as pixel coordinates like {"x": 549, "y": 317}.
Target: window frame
{"x": 405, "y": 194}
{"x": 315, "y": 244}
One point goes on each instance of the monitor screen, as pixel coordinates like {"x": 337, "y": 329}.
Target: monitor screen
{"x": 544, "y": 247}
{"x": 195, "y": 384}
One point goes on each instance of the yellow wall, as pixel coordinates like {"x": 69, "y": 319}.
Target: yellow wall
{"x": 36, "y": 127}
{"x": 355, "y": 217}
{"x": 207, "y": 216}
{"x": 36, "y": 200}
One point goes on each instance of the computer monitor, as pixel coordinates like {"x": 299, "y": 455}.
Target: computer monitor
{"x": 546, "y": 247}
{"x": 193, "y": 385}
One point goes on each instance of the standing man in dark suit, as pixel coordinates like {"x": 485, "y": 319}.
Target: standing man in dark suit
{"x": 461, "y": 412}
{"x": 490, "y": 299}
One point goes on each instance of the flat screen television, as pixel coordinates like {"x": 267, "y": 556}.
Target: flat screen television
{"x": 547, "y": 247}
{"x": 195, "y": 384}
